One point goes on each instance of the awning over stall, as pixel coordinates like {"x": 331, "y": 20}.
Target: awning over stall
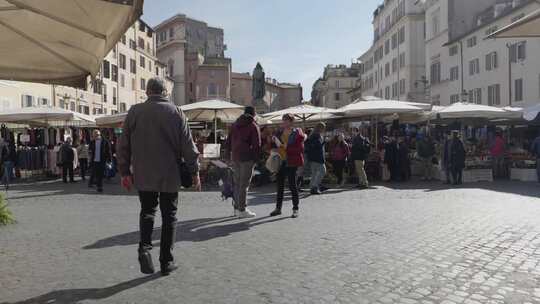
{"x": 44, "y": 116}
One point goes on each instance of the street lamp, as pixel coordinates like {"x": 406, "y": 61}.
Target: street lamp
{"x": 464, "y": 96}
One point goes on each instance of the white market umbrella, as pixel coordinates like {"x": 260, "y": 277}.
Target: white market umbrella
{"x": 60, "y": 41}
{"x": 526, "y": 27}
{"x": 472, "y": 110}
{"x": 212, "y": 110}
{"x": 304, "y": 112}
{"x": 423, "y": 106}
{"x": 377, "y": 107}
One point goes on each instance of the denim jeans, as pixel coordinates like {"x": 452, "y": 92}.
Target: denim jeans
{"x": 168, "y": 205}
{"x": 288, "y": 173}
{"x": 318, "y": 171}
{"x": 8, "y": 172}
{"x": 83, "y": 165}
{"x": 67, "y": 171}
{"x": 339, "y": 167}
{"x": 97, "y": 174}
{"x": 427, "y": 165}
{"x": 243, "y": 173}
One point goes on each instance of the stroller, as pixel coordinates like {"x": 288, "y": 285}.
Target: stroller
{"x": 226, "y": 182}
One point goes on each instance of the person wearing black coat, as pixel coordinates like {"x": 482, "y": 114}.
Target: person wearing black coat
{"x": 9, "y": 160}
{"x": 391, "y": 159}
{"x": 68, "y": 157}
{"x": 100, "y": 154}
{"x": 404, "y": 161}
{"x": 457, "y": 158}
{"x": 315, "y": 154}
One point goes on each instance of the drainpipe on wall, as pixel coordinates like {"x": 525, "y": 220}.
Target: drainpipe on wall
{"x": 462, "y": 67}
{"x": 509, "y": 47}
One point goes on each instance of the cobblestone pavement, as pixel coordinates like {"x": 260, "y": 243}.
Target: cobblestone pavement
{"x": 419, "y": 243}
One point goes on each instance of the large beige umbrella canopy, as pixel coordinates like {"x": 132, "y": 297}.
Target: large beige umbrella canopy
{"x": 111, "y": 120}
{"x": 212, "y": 110}
{"x": 526, "y": 27}
{"x": 60, "y": 41}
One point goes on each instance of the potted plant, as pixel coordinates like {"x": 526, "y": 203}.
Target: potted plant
{"x": 6, "y": 217}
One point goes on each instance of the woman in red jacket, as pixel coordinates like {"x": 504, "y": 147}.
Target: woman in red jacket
{"x": 340, "y": 154}
{"x": 289, "y": 142}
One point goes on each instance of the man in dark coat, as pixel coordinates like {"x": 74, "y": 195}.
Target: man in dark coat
{"x": 100, "y": 155}
{"x": 404, "y": 160}
{"x": 315, "y": 154}
{"x": 391, "y": 159}
{"x": 426, "y": 151}
{"x": 68, "y": 157}
{"x": 155, "y": 139}
{"x": 244, "y": 143}
{"x": 457, "y": 158}
{"x": 447, "y": 166}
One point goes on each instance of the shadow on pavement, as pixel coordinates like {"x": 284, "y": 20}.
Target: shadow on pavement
{"x": 58, "y": 188}
{"x": 198, "y": 230}
{"x": 78, "y": 295}
{"x": 512, "y": 187}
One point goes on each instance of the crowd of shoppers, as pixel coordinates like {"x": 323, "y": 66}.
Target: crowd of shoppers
{"x": 158, "y": 173}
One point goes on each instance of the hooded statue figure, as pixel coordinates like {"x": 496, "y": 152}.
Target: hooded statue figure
{"x": 259, "y": 89}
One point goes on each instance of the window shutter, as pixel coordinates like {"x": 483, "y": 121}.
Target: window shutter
{"x": 513, "y": 53}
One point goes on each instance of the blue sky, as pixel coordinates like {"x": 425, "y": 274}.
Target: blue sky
{"x": 293, "y": 39}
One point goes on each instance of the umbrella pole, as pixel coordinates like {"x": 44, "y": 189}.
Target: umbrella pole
{"x": 376, "y": 131}
{"x": 215, "y": 126}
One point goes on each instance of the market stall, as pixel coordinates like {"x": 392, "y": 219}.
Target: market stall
{"x": 212, "y": 111}
{"x": 37, "y": 134}
{"x": 478, "y": 125}
{"x": 375, "y": 111}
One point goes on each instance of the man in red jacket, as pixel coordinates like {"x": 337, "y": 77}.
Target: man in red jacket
{"x": 244, "y": 143}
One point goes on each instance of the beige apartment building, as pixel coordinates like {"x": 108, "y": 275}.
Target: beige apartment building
{"x": 123, "y": 76}
{"x": 120, "y": 84}
{"x": 17, "y": 94}
{"x": 337, "y": 87}
{"x": 466, "y": 67}
{"x": 394, "y": 66}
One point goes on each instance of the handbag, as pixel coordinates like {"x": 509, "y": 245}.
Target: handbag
{"x": 185, "y": 176}
{"x": 273, "y": 163}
